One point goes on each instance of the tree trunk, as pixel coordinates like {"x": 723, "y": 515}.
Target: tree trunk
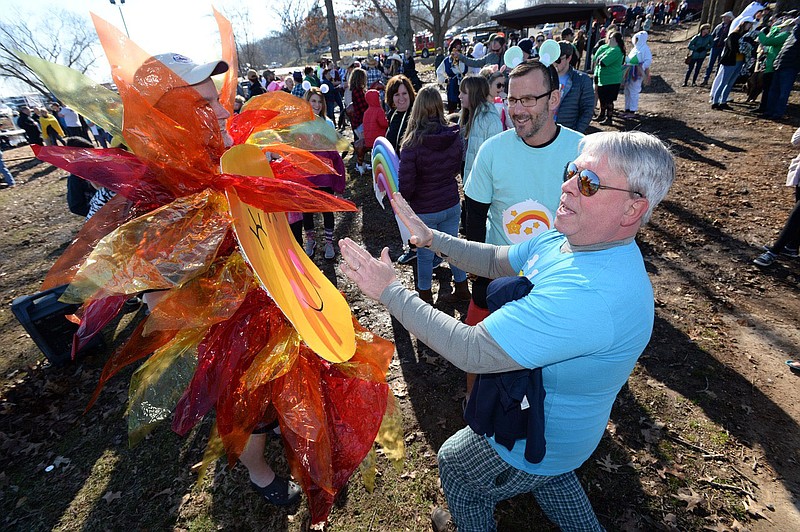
{"x": 333, "y": 35}
{"x": 405, "y": 37}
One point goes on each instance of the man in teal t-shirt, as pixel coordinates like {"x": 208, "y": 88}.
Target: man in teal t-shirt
{"x": 585, "y": 322}
{"x": 512, "y": 191}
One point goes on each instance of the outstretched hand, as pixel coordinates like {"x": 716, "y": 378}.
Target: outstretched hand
{"x": 421, "y": 234}
{"x": 371, "y": 275}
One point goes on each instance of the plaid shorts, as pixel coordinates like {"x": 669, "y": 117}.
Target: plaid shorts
{"x": 475, "y": 479}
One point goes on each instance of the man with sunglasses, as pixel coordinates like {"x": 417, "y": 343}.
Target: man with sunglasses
{"x": 494, "y": 56}
{"x": 577, "y": 92}
{"x": 585, "y": 322}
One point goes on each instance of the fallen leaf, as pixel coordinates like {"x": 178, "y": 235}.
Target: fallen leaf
{"x": 692, "y": 499}
{"x": 607, "y": 465}
{"x": 112, "y": 495}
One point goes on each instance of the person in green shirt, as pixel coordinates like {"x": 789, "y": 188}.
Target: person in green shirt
{"x": 608, "y": 61}
{"x": 699, "y": 47}
{"x": 772, "y": 43}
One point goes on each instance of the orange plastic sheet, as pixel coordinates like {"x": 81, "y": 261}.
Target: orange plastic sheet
{"x": 185, "y": 163}
{"x": 230, "y": 78}
{"x": 209, "y": 298}
{"x": 276, "y": 195}
{"x": 113, "y": 214}
{"x": 115, "y": 169}
{"x": 160, "y": 250}
{"x": 291, "y": 110}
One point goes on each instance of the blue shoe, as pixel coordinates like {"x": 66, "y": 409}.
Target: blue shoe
{"x": 407, "y": 256}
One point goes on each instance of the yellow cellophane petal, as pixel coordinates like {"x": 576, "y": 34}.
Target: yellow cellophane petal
{"x": 87, "y": 97}
{"x": 277, "y": 357}
{"x": 390, "y": 435}
{"x": 317, "y": 135}
{"x": 160, "y": 250}
{"x": 158, "y": 384}
{"x": 369, "y": 470}
{"x": 209, "y": 298}
{"x": 214, "y": 451}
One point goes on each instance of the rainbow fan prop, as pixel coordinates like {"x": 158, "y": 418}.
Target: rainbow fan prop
{"x": 385, "y": 172}
{"x": 243, "y": 321}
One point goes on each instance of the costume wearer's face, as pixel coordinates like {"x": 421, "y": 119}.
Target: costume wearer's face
{"x": 208, "y": 92}
{"x": 528, "y": 121}
{"x": 586, "y": 220}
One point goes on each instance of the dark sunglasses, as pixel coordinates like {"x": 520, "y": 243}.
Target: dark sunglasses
{"x": 500, "y": 85}
{"x": 539, "y": 40}
{"x": 589, "y": 182}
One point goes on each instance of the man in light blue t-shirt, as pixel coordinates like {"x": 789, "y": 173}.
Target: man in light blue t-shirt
{"x": 585, "y": 322}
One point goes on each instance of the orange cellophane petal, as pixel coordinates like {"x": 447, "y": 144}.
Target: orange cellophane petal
{"x": 302, "y": 160}
{"x": 160, "y": 250}
{"x": 184, "y": 163}
{"x": 241, "y": 126}
{"x": 244, "y": 404}
{"x": 113, "y": 214}
{"x": 205, "y": 300}
{"x": 292, "y": 110}
{"x": 227, "y": 93}
{"x": 316, "y": 135}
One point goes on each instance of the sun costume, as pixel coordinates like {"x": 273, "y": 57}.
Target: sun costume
{"x": 246, "y": 324}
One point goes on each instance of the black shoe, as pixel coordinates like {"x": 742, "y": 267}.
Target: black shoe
{"x": 440, "y": 520}
{"x": 280, "y": 492}
{"x": 715, "y": 106}
{"x": 694, "y": 84}
{"x": 725, "y": 107}
{"x": 685, "y": 84}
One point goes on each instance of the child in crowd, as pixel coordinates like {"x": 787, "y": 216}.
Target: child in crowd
{"x": 375, "y": 123}
{"x": 330, "y": 183}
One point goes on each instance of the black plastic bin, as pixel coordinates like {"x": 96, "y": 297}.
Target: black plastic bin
{"x": 44, "y": 318}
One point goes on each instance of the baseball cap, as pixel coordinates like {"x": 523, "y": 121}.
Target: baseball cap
{"x": 188, "y": 70}
{"x": 526, "y": 44}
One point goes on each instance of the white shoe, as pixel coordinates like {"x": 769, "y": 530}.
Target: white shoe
{"x": 360, "y": 169}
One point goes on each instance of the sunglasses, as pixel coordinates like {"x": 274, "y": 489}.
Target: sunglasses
{"x": 500, "y": 85}
{"x": 539, "y": 40}
{"x": 589, "y": 182}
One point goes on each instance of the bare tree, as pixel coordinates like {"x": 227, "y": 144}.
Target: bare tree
{"x": 333, "y": 34}
{"x": 436, "y": 16}
{"x": 251, "y": 53}
{"x": 401, "y": 25}
{"x": 292, "y": 14}
{"x": 63, "y": 37}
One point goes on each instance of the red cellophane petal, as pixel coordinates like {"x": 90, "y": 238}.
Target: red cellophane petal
{"x": 94, "y": 315}
{"x": 224, "y": 354}
{"x": 115, "y": 169}
{"x": 349, "y": 412}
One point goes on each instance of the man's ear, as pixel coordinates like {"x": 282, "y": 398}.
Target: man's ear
{"x": 555, "y": 98}
{"x": 634, "y": 212}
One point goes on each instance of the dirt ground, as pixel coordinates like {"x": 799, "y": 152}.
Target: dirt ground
{"x": 705, "y": 435}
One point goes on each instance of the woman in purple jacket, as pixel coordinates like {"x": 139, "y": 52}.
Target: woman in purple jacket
{"x": 430, "y": 161}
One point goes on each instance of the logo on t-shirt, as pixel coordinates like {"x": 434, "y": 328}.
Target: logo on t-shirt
{"x": 526, "y": 219}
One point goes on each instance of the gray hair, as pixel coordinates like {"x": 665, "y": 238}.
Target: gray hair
{"x": 643, "y": 159}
